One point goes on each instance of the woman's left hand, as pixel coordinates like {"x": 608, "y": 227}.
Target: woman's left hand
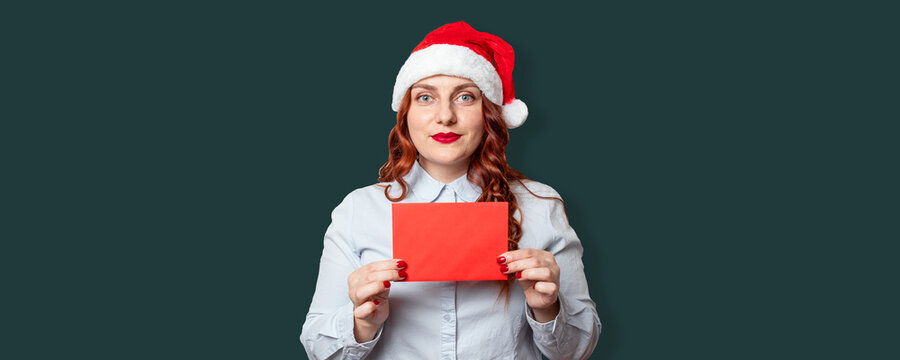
{"x": 538, "y": 275}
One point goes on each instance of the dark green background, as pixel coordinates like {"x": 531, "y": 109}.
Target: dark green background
{"x": 172, "y": 168}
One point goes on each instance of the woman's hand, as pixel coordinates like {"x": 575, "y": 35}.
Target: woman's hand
{"x": 369, "y": 289}
{"x": 538, "y": 275}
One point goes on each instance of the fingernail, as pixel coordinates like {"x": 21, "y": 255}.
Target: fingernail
{"x": 519, "y": 275}
{"x": 501, "y": 259}
{"x": 376, "y": 302}
{"x": 387, "y": 284}
{"x": 504, "y": 268}
{"x": 401, "y": 264}
{"x": 402, "y": 274}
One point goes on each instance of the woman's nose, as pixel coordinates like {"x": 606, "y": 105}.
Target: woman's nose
{"x": 446, "y": 115}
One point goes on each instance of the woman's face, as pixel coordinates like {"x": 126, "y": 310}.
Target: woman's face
{"x": 445, "y": 122}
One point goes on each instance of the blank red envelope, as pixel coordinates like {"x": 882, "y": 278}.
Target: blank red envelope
{"x": 450, "y": 241}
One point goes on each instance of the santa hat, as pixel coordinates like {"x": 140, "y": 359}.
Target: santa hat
{"x": 459, "y": 50}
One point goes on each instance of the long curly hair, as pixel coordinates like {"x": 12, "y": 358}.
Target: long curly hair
{"x": 488, "y": 167}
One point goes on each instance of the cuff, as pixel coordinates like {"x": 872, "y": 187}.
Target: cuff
{"x": 549, "y": 333}
{"x": 351, "y": 348}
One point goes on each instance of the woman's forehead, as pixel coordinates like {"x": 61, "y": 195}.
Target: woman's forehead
{"x": 444, "y": 80}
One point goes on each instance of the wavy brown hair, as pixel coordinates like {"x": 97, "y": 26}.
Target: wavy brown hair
{"x": 488, "y": 167}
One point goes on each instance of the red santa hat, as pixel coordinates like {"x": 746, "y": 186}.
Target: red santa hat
{"x": 459, "y": 50}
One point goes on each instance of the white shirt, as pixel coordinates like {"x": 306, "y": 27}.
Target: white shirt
{"x": 448, "y": 320}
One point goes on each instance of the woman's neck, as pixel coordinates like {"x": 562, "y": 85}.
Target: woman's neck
{"x": 444, "y": 173}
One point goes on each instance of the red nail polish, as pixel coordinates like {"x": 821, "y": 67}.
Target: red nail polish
{"x": 501, "y": 259}
{"x": 402, "y": 274}
{"x": 504, "y": 268}
{"x": 401, "y": 264}
{"x": 376, "y": 302}
{"x": 519, "y": 275}
{"x": 387, "y": 284}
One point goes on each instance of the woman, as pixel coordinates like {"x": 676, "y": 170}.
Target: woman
{"x": 454, "y": 100}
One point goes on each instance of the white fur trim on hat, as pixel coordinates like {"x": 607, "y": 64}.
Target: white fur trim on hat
{"x": 445, "y": 59}
{"x": 515, "y": 113}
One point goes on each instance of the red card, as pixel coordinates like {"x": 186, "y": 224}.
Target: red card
{"x": 450, "y": 241}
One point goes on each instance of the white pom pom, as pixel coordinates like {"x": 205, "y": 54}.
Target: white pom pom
{"x": 515, "y": 113}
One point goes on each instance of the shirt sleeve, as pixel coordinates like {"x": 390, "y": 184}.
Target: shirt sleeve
{"x": 574, "y": 332}
{"x": 328, "y": 330}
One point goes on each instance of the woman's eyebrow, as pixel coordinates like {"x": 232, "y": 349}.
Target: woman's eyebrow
{"x": 432, "y": 88}
{"x": 424, "y": 86}
{"x": 463, "y": 86}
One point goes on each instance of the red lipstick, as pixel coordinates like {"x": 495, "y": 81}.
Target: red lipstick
{"x": 445, "y": 138}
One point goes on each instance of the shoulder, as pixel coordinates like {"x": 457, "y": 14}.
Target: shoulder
{"x": 542, "y": 212}
{"x": 367, "y": 195}
{"x": 536, "y": 197}
{"x": 530, "y": 190}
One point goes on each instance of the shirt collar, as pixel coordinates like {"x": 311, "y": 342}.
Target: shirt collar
{"x": 426, "y": 188}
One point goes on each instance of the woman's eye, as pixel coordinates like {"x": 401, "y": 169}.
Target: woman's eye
{"x": 424, "y": 98}
{"x": 466, "y": 97}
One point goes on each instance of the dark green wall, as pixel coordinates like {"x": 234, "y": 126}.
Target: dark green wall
{"x": 176, "y": 165}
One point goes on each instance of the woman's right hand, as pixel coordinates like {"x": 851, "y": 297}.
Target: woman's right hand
{"x": 369, "y": 288}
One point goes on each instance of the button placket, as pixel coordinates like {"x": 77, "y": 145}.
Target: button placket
{"x": 448, "y": 321}
{"x": 448, "y": 296}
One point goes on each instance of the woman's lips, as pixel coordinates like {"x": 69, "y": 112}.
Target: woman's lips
{"x": 445, "y": 138}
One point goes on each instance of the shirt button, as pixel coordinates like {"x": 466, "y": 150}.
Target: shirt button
{"x": 446, "y": 317}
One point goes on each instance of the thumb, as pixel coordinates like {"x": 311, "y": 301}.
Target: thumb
{"x": 367, "y": 308}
